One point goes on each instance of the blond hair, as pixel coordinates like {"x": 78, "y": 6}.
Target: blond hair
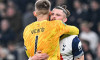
{"x": 65, "y": 10}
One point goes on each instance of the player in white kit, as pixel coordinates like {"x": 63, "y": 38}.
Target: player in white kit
{"x": 71, "y": 48}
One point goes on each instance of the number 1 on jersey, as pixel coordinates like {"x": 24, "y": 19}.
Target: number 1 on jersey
{"x": 36, "y": 41}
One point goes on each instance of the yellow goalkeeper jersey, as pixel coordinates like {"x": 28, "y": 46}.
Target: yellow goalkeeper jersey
{"x": 44, "y": 36}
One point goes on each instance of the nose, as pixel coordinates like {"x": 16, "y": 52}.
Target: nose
{"x": 53, "y": 16}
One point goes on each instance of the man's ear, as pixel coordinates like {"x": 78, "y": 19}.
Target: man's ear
{"x": 34, "y": 13}
{"x": 65, "y": 20}
{"x": 50, "y": 13}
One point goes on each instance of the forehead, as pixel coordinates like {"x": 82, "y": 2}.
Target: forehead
{"x": 57, "y": 11}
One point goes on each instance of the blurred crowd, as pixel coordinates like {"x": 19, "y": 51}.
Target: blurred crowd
{"x": 16, "y": 14}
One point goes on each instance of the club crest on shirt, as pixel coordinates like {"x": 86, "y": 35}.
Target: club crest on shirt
{"x": 63, "y": 47}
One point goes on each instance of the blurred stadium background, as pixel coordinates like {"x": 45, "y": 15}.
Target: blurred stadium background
{"x": 16, "y": 14}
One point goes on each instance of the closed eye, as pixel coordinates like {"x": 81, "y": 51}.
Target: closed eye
{"x": 52, "y": 13}
{"x": 58, "y": 14}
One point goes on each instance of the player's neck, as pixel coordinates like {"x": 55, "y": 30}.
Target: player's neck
{"x": 42, "y": 17}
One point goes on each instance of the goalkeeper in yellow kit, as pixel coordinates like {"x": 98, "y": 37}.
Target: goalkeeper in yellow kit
{"x": 43, "y": 35}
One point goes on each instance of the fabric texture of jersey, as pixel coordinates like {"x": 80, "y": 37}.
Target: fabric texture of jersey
{"x": 70, "y": 48}
{"x": 47, "y": 34}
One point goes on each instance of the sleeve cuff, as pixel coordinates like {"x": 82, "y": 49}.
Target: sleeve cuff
{"x": 78, "y": 56}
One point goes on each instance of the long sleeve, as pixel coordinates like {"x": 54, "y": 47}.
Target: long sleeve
{"x": 72, "y": 30}
{"x": 68, "y": 29}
